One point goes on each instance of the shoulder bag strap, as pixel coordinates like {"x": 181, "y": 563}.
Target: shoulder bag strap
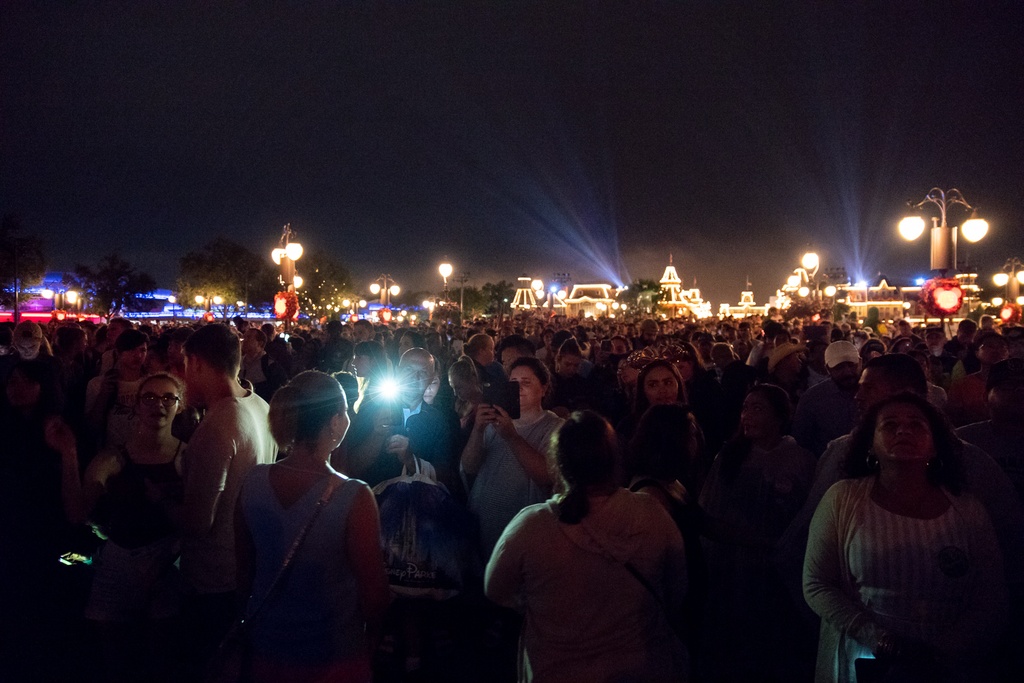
{"x": 629, "y": 567}
{"x": 332, "y": 486}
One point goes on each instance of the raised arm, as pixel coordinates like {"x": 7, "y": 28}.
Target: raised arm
{"x": 79, "y": 497}
{"x": 533, "y": 461}
{"x": 473, "y": 452}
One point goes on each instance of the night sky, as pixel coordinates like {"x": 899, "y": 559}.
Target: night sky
{"x": 590, "y": 138}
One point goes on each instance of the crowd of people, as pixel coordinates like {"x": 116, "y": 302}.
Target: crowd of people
{"x": 526, "y": 498}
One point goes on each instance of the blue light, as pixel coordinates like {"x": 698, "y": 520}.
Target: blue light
{"x": 919, "y": 282}
{"x": 554, "y": 289}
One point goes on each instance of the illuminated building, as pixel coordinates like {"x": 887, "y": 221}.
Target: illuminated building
{"x": 681, "y": 302}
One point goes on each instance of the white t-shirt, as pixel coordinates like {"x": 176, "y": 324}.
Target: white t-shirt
{"x": 121, "y": 417}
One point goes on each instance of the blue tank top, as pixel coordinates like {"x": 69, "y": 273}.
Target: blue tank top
{"x": 314, "y": 617}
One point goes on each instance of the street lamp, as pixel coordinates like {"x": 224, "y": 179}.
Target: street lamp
{"x": 380, "y": 286}
{"x": 810, "y": 263}
{"x": 462, "y": 278}
{"x": 943, "y": 236}
{"x": 60, "y": 299}
{"x": 1011, "y": 277}
{"x": 285, "y": 255}
{"x": 445, "y": 269}
{"x": 207, "y": 302}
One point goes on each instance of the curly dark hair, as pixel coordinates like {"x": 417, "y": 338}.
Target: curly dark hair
{"x": 946, "y": 469}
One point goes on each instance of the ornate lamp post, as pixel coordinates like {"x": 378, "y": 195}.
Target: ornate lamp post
{"x": 445, "y": 269}
{"x": 285, "y": 256}
{"x": 380, "y": 286}
{"x": 1011, "y": 277}
{"x": 943, "y": 236}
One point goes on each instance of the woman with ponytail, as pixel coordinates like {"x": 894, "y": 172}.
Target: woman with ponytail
{"x": 597, "y": 570}
{"x": 320, "y": 621}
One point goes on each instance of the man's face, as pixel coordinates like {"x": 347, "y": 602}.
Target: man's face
{"x": 251, "y": 344}
{"x": 568, "y": 365}
{"x": 935, "y": 343}
{"x": 485, "y": 356}
{"x": 414, "y": 376}
{"x": 28, "y": 347}
{"x": 508, "y": 356}
{"x": 845, "y": 375}
{"x": 132, "y": 359}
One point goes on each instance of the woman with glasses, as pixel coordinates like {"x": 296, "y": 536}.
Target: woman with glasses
{"x": 128, "y": 493}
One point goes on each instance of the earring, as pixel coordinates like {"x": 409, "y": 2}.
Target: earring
{"x": 871, "y": 460}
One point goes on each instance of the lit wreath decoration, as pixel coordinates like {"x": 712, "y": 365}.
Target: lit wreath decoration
{"x": 286, "y": 306}
{"x": 942, "y": 296}
{"x": 1010, "y": 313}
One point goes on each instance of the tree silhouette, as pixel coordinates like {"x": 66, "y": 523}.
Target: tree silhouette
{"x": 114, "y": 286}
{"x": 21, "y": 258}
{"x": 497, "y": 295}
{"x": 642, "y": 296}
{"x": 326, "y": 284}
{"x": 227, "y": 269}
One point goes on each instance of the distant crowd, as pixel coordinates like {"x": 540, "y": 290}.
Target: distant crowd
{"x": 521, "y": 498}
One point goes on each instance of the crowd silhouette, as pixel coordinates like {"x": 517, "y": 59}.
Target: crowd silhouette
{"x": 527, "y": 497}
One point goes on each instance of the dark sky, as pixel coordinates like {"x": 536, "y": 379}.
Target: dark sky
{"x": 592, "y": 138}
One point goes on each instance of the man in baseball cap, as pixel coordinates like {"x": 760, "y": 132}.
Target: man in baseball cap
{"x": 827, "y": 410}
{"x": 28, "y": 340}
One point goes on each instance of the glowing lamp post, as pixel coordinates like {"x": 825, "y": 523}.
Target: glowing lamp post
{"x": 810, "y": 263}
{"x": 445, "y": 269}
{"x": 208, "y": 302}
{"x": 288, "y": 251}
{"x": 380, "y": 286}
{"x": 943, "y": 236}
{"x": 60, "y": 301}
{"x": 429, "y": 306}
{"x": 1011, "y": 277}
{"x": 285, "y": 256}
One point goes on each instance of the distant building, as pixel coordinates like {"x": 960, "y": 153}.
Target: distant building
{"x": 685, "y": 303}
